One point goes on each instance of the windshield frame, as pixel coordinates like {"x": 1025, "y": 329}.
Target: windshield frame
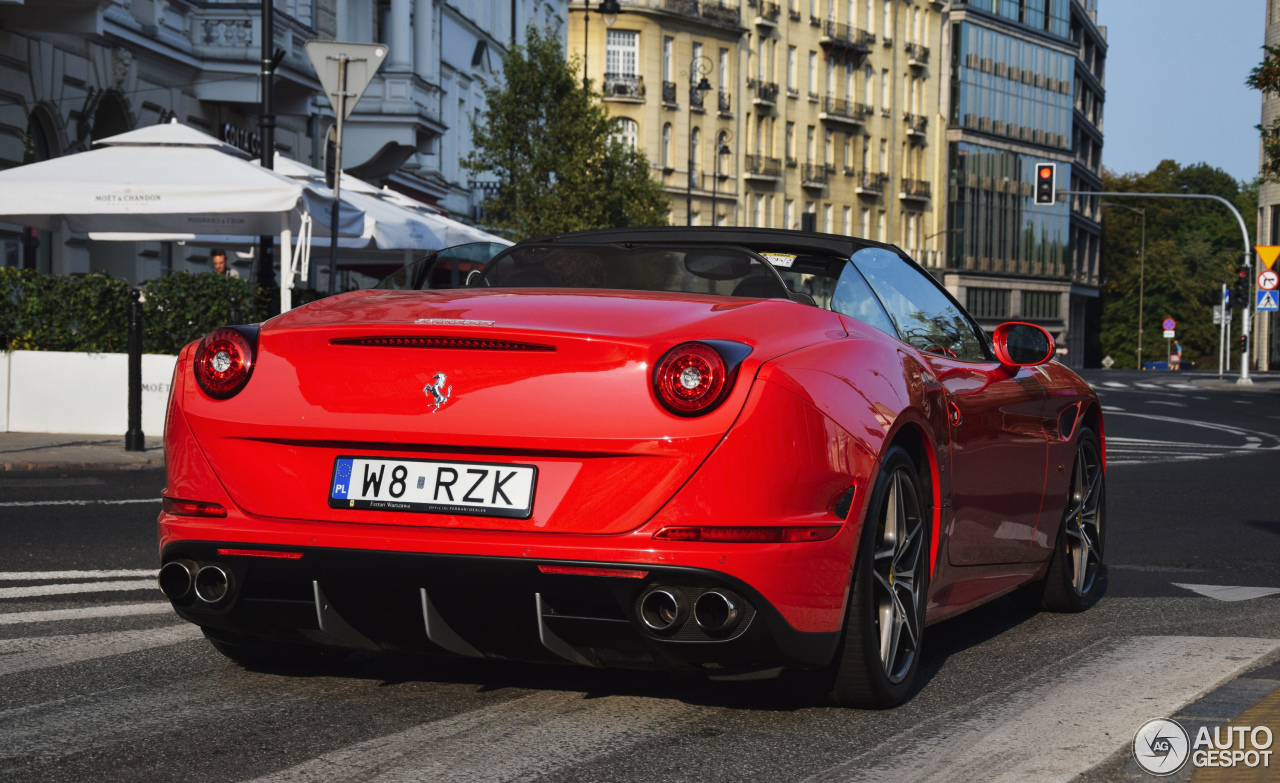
{"x": 483, "y": 280}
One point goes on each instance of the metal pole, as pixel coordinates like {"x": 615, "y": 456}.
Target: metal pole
{"x": 715, "y": 182}
{"x": 337, "y": 175}
{"x": 134, "y": 440}
{"x": 267, "y": 130}
{"x": 1142, "y": 283}
{"x": 1222, "y": 331}
{"x": 586, "y": 22}
{"x": 1248, "y": 254}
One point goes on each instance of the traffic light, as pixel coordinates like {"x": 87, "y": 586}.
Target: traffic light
{"x": 1240, "y": 288}
{"x": 1046, "y": 183}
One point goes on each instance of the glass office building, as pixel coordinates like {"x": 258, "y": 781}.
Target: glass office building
{"x": 1014, "y": 101}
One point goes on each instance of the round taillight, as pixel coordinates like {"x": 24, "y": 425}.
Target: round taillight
{"x": 223, "y": 363}
{"x": 689, "y": 379}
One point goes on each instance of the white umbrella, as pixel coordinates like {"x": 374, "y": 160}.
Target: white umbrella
{"x": 170, "y": 186}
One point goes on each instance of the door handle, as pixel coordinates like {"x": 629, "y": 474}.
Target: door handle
{"x": 953, "y": 414}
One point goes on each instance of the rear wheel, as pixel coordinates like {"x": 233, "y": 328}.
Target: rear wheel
{"x": 884, "y": 625}
{"x": 1074, "y": 582}
{"x": 256, "y": 652}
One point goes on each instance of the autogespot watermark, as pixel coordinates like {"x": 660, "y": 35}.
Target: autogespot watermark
{"x": 1162, "y": 746}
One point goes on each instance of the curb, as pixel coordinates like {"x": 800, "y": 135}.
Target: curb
{"x": 8, "y": 467}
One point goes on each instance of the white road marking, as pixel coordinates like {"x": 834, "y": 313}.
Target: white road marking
{"x": 1167, "y": 402}
{"x": 85, "y": 613}
{"x": 24, "y": 503}
{"x": 27, "y": 576}
{"x": 525, "y": 738}
{"x": 1143, "y": 451}
{"x": 1189, "y": 386}
{"x": 1229, "y": 593}
{"x": 1083, "y": 710}
{"x": 1111, "y": 409}
{"x": 78, "y": 587}
{"x": 42, "y": 652}
{"x": 1142, "y": 385}
{"x": 1115, "y": 384}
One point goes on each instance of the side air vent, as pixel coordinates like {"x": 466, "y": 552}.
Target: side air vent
{"x": 463, "y": 343}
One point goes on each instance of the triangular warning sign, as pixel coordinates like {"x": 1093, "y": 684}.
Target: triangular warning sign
{"x": 1268, "y": 254}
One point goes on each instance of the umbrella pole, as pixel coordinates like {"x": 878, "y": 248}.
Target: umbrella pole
{"x": 337, "y": 175}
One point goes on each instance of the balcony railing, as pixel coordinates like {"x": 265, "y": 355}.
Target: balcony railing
{"x": 793, "y": 14}
{"x": 840, "y": 110}
{"x": 761, "y": 166}
{"x": 917, "y": 124}
{"x": 917, "y": 54}
{"x": 842, "y": 35}
{"x": 872, "y": 183}
{"x": 669, "y": 93}
{"x": 765, "y": 92}
{"x": 725, "y": 103}
{"x": 767, "y": 13}
{"x": 695, "y": 100}
{"x": 713, "y": 11}
{"x": 916, "y": 188}
{"x": 813, "y": 175}
{"x": 624, "y": 86}
{"x": 685, "y": 7}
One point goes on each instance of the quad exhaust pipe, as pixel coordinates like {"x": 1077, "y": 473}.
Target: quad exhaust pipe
{"x": 664, "y": 609}
{"x": 211, "y": 584}
{"x": 717, "y": 611}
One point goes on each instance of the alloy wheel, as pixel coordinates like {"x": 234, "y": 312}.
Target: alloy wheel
{"x": 898, "y": 577}
{"x": 1083, "y": 522}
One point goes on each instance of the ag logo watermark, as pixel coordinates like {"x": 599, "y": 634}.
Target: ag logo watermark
{"x": 1162, "y": 747}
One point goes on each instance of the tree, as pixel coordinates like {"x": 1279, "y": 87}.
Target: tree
{"x": 1265, "y": 77}
{"x": 1193, "y": 247}
{"x": 549, "y": 142}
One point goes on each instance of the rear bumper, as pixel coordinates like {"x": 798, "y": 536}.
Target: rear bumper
{"x": 482, "y": 606}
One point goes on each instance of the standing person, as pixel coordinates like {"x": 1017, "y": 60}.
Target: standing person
{"x": 218, "y": 257}
{"x": 1175, "y": 358}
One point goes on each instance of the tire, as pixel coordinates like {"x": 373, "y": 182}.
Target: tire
{"x": 253, "y": 652}
{"x": 890, "y": 582}
{"x": 1074, "y": 581}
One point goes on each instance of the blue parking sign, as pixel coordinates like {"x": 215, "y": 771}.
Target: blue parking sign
{"x": 1267, "y": 300}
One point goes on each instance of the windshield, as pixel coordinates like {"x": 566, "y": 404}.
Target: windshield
{"x": 448, "y": 268}
{"x": 704, "y": 269}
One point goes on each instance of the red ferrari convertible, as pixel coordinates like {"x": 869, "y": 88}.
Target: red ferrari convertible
{"x": 734, "y": 451}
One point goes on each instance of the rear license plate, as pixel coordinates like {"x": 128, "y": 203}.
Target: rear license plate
{"x": 432, "y": 487}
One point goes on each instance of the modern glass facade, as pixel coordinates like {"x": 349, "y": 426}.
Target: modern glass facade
{"x": 993, "y": 222}
{"x": 1051, "y": 16}
{"x": 1010, "y": 87}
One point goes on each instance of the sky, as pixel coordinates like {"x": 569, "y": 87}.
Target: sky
{"x": 1175, "y": 83}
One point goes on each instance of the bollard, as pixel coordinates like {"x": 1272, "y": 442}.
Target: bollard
{"x": 235, "y": 317}
{"x": 134, "y": 440}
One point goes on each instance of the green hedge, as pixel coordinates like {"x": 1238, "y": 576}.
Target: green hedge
{"x": 41, "y": 312}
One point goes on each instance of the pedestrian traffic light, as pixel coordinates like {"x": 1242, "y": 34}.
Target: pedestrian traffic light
{"x": 1046, "y": 183}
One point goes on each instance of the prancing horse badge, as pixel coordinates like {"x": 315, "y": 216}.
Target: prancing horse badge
{"x": 437, "y": 391}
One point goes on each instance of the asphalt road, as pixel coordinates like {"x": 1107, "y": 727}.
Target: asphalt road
{"x": 92, "y": 690}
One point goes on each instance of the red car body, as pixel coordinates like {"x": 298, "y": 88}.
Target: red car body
{"x": 813, "y": 408}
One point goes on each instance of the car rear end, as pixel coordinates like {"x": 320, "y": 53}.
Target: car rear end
{"x": 601, "y": 478}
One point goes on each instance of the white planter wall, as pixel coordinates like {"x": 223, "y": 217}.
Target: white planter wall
{"x": 80, "y": 393}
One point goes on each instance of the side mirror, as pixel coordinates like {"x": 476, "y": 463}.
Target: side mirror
{"x": 1022, "y": 345}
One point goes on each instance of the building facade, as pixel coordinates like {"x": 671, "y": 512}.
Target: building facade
{"x": 818, "y": 108}
{"x": 75, "y": 71}
{"x": 1025, "y": 87}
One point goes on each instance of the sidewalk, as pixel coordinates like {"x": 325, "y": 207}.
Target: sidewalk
{"x": 41, "y": 451}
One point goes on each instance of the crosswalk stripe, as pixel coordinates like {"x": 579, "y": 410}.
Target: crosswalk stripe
{"x": 1229, "y": 593}
{"x": 1065, "y": 719}
{"x": 26, "y": 576}
{"x": 31, "y": 591}
{"x": 525, "y": 738}
{"x": 42, "y": 652}
{"x": 85, "y": 613}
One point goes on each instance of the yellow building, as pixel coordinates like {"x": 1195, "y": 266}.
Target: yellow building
{"x": 819, "y": 107}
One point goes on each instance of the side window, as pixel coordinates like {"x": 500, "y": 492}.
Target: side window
{"x": 853, "y": 297}
{"x": 924, "y": 316}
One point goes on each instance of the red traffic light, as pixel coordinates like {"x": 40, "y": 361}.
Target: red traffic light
{"x": 1046, "y": 172}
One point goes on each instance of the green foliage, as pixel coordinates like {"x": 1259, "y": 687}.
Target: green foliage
{"x": 1193, "y": 247}
{"x": 184, "y": 307}
{"x": 548, "y": 141}
{"x": 41, "y": 312}
{"x": 1265, "y": 77}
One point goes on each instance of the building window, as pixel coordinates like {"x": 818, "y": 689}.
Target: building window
{"x": 866, "y": 224}
{"x": 810, "y": 145}
{"x": 871, "y": 16}
{"x": 828, "y": 219}
{"x": 886, "y": 84}
{"x": 768, "y": 212}
{"x": 869, "y": 88}
{"x": 668, "y": 59}
{"x": 791, "y": 70}
{"x": 789, "y": 214}
{"x": 882, "y": 227}
{"x": 888, "y": 20}
{"x": 621, "y": 52}
{"x": 987, "y": 302}
{"x": 846, "y": 226}
{"x": 831, "y": 78}
{"x": 813, "y": 73}
{"x": 627, "y": 131}
{"x": 723, "y": 70}
{"x": 666, "y": 146}
{"x": 1041, "y": 305}
{"x": 695, "y": 155}
{"x": 829, "y": 143}
{"x": 790, "y": 149}
{"x": 758, "y": 212}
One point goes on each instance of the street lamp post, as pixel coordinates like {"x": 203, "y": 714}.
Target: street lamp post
{"x": 699, "y": 67}
{"x": 722, "y": 148}
{"x": 609, "y": 10}
{"x": 1142, "y": 267}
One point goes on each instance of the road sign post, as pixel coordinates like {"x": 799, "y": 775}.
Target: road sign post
{"x": 345, "y": 70}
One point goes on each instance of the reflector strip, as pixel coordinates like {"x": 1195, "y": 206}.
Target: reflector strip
{"x": 261, "y": 553}
{"x": 748, "y": 535}
{"x": 468, "y": 343}
{"x": 625, "y": 573}
{"x": 193, "y": 508}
